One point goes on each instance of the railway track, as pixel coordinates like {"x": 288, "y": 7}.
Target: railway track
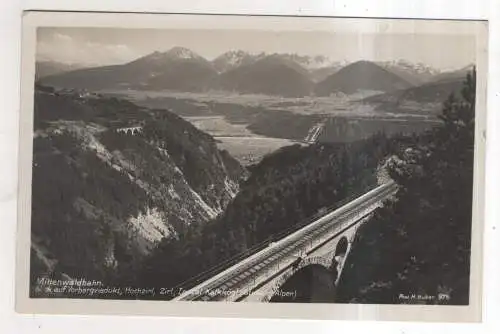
{"x": 302, "y": 242}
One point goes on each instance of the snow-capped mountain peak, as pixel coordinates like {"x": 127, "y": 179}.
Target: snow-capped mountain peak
{"x": 418, "y": 68}
{"x": 181, "y": 53}
{"x": 313, "y": 62}
{"x": 158, "y": 58}
{"x": 235, "y": 57}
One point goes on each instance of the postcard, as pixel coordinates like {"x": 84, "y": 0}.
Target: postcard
{"x": 251, "y": 166}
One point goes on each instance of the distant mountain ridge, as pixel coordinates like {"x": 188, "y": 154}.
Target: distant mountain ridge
{"x": 45, "y": 68}
{"x": 177, "y": 69}
{"x": 318, "y": 67}
{"x": 361, "y": 75}
{"x": 235, "y": 58}
{"x": 432, "y": 93}
{"x": 271, "y": 75}
{"x": 452, "y": 75}
{"x": 287, "y": 75}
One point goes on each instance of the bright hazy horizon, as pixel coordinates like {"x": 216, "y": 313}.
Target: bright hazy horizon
{"x": 107, "y": 46}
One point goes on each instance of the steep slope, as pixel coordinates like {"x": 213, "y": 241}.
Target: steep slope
{"x": 283, "y": 192}
{"x": 271, "y": 75}
{"x": 176, "y": 69}
{"x": 360, "y": 76}
{"x": 289, "y": 60}
{"x": 320, "y": 74}
{"x": 103, "y": 199}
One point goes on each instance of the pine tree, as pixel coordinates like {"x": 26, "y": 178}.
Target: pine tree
{"x": 423, "y": 237}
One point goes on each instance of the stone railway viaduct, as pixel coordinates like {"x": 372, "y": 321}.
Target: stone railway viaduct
{"x": 323, "y": 245}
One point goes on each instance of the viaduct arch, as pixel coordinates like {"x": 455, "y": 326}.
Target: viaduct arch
{"x": 133, "y": 130}
{"x": 314, "y": 278}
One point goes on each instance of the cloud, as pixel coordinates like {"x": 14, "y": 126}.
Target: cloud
{"x": 66, "y": 49}
{"x": 62, "y": 38}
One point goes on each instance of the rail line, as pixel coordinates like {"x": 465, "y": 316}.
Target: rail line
{"x": 311, "y": 237}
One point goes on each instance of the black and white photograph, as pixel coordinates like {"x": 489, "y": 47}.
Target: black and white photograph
{"x": 256, "y": 162}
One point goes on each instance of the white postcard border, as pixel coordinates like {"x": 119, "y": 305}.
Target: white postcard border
{"x": 24, "y": 304}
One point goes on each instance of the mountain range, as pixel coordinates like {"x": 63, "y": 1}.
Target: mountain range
{"x": 287, "y": 75}
{"x": 235, "y": 58}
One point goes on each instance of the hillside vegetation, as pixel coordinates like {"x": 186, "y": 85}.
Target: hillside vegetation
{"x": 420, "y": 243}
{"x": 103, "y": 199}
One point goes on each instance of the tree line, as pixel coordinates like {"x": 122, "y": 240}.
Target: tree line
{"x": 420, "y": 243}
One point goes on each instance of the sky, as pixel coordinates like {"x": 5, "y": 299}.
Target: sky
{"x": 106, "y": 46}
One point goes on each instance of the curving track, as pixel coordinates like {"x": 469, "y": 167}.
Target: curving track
{"x": 234, "y": 283}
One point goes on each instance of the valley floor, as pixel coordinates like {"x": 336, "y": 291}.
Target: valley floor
{"x": 250, "y": 150}
{"x": 252, "y": 126}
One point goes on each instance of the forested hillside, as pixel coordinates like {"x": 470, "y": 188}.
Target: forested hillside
{"x": 103, "y": 199}
{"x": 282, "y": 193}
{"x": 419, "y": 244}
